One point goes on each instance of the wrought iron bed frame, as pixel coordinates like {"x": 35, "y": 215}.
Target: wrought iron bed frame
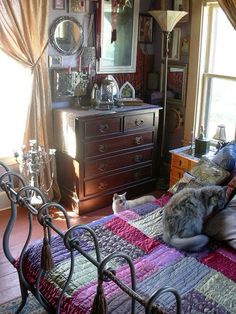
{"x": 21, "y": 196}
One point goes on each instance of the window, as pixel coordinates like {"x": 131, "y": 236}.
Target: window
{"x": 217, "y": 88}
{"x": 15, "y": 96}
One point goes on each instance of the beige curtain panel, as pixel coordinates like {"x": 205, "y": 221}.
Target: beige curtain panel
{"x": 229, "y": 7}
{"x": 24, "y": 37}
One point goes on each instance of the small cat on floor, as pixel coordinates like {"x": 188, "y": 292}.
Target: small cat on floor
{"x": 120, "y": 202}
{"x": 184, "y": 214}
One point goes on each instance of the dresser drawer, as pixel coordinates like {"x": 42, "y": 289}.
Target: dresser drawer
{"x": 139, "y": 121}
{"x": 118, "y": 144}
{"x": 179, "y": 162}
{"x": 114, "y": 181}
{"x": 101, "y": 166}
{"x": 103, "y": 126}
{"x": 176, "y": 173}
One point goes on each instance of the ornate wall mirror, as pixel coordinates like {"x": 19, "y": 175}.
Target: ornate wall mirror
{"x": 120, "y": 23}
{"x": 66, "y": 35}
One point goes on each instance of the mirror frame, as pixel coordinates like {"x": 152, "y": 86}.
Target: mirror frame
{"x": 122, "y": 69}
{"x": 52, "y": 41}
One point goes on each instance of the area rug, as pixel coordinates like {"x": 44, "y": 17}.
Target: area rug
{"x": 32, "y": 306}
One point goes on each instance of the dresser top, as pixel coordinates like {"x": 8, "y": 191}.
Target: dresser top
{"x": 77, "y": 113}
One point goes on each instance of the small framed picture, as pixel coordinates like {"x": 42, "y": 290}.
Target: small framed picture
{"x": 182, "y": 5}
{"x": 174, "y": 44}
{"x": 59, "y": 5}
{"x": 176, "y": 82}
{"x": 145, "y": 28}
{"x": 185, "y": 46}
{"x": 77, "y": 6}
{"x": 54, "y": 61}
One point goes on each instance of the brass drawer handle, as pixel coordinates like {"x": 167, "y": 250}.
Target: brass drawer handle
{"x": 102, "y": 148}
{"x": 101, "y": 167}
{"x": 103, "y": 128}
{"x": 102, "y": 186}
{"x": 137, "y": 175}
{"x": 139, "y": 122}
{"x": 138, "y": 158}
{"x": 138, "y": 140}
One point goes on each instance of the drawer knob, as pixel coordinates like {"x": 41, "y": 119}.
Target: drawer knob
{"x": 101, "y": 167}
{"x": 102, "y": 186}
{"x": 138, "y": 158}
{"x": 102, "y": 148}
{"x": 139, "y": 122}
{"x": 103, "y": 128}
{"x": 138, "y": 140}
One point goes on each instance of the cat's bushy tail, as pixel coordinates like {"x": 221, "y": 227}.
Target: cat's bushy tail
{"x": 193, "y": 244}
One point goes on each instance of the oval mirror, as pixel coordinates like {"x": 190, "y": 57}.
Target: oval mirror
{"x": 66, "y": 35}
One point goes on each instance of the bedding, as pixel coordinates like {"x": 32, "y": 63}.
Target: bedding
{"x": 222, "y": 226}
{"x": 209, "y": 172}
{"x": 187, "y": 181}
{"x": 226, "y": 157}
{"x": 205, "y": 280}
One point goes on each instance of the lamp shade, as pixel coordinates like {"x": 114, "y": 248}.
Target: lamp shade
{"x": 220, "y": 133}
{"x": 167, "y": 19}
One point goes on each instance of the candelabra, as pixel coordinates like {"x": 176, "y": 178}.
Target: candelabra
{"x": 33, "y": 164}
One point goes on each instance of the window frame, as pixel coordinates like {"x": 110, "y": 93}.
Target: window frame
{"x": 198, "y": 70}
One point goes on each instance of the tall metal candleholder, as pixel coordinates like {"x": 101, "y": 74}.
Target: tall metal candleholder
{"x": 33, "y": 164}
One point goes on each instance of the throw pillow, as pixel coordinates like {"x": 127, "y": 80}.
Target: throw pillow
{"x": 231, "y": 186}
{"x": 226, "y": 157}
{"x": 208, "y": 172}
{"x": 222, "y": 226}
{"x": 187, "y": 181}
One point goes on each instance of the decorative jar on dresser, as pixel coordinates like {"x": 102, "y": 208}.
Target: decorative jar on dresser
{"x": 103, "y": 152}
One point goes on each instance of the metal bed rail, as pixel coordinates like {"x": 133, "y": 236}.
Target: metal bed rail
{"x": 21, "y": 197}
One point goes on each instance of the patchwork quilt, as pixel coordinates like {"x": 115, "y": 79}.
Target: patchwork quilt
{"x": 205, "y": 280}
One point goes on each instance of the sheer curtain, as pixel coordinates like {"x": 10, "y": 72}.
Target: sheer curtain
{"x": 24, "y": 37}
{"x": 229, "y": 7}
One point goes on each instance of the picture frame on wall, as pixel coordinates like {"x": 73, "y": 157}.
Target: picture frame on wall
{"x": 176, "y": 82}
{"x": 54, "y": 61}
{"x": 182, "y": 5}
{"x": 77, "y": 6}
{"x": 145, "y": 28}
{"x": 174, "y": 44}
{"x": 184, "y": 47}
{"x": 59, "y": 5}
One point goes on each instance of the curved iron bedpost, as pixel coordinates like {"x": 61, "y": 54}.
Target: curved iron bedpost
{"x": 43, "y": 216}
{"x": 24, "y": 201}
{"x": 5, "y": 186}
{"x": 101, "y": 272}
{"x": 159, "y": 292}
{"x": 70, "y": 242}
{"x": 10, "y": 224}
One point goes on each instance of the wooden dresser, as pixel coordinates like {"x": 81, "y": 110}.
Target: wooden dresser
{"x": 181, "y": 161}
{"x": 103, "y": 152}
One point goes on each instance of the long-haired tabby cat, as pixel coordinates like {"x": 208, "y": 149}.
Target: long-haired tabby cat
{"x": 184, "y": 214}
{"x": 120, "y": 202}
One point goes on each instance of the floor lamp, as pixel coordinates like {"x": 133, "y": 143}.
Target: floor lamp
{"x": 167, "y": 21}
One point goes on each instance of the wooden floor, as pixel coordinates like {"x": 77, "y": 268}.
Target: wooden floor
{"x": 9, "y": 285}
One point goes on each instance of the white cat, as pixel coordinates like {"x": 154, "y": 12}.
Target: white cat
{"x": 120, "y": 202}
